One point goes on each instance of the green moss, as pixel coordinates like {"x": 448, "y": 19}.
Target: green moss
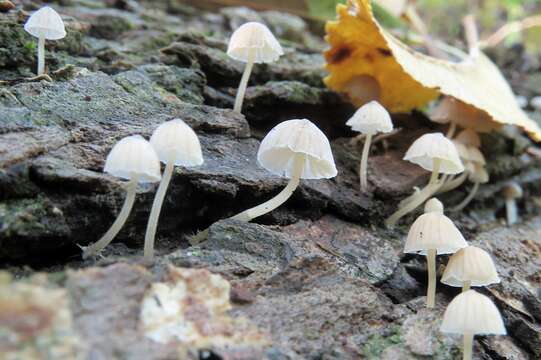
{"x": 22, "y": 216}
{"x": 16, "y": 46}
{"x": 376, "y": 344}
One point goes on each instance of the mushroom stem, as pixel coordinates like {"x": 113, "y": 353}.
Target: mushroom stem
{"x": 41, "y": 55}
{"x": 150, "y": 234}
{"x": 431, "y": 291}
{"x": 467, "y": 346}
{"x": 511, "y": 211}
{"x": 119, "y": 222}
{"x": 451, "y": 130}
{"x": 466, "y": 285}
{"x": 243, "y": 84}
{"x": 452, "y": 184}
{"x": 279, "y": 199}
{"x": 364, "y": 162}
{"x": 467, "y": 199}
{"x": 418, "y": 198}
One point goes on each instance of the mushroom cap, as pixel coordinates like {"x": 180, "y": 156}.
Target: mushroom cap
{"x": 370, "y": 119}
{"x": 289, "y": 138}
{"x": 434, "y": 230}
{"x": 463, "y": 152}
{"x": 470, "y": 264}
{"x": 133, "y": 155}
{"x": 513, "y": 191}
{"x": 475, "y": 155}
{"x": 477, "y": 173}
{"x": 46, "y": 23}
{"x": 254, "y": 41}
{"x": 176, "y": 136}
{"x": 468, "y": 137}
{"x": 428, "y": 147}
{"x": 471, "y": 312}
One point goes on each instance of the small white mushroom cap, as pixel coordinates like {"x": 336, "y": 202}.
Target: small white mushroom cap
{"x": 477, "y": 173}
{"x": 133, "y": 155}
{"x": 289, "y": 138}
{"x": 428, "y": 147}
{"x": 46, "y": 23}
{"x": 470, "y": 264}
{"x": 474, "y": 313}
{"x": 254, "y": 41}
{"x": 434, "y": 230}
{"x": 370, "y": 119}
{"x": 175, "y": 136}
{"x": 463, "y": 152}
{"x": 468, "y": 137}
{"x": 475, "y": 155}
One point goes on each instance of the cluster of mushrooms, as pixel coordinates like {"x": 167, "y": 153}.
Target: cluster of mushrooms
{"x": 297, "y": 149}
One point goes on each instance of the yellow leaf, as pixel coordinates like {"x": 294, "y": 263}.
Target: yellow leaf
{"x": 366, "y": 62}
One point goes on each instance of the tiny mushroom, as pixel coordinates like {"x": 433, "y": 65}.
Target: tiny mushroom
{"x": 369, "y": 120}
{"x": 133, "y": 159}
{"x": 470, "y": 314}
{"x": 431, "y": 234}
{"x": 252, "y": 43}
{"x": 435, "y": 153}
{"x": 45, "y": 24}
{"x": 511, "y": 192}
{"x": 470, "y": 266}
{"x": 176, "y": 145}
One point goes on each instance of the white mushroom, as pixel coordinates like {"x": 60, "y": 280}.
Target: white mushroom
{"x": 511, "y": 192}
{"x": 477, "y": 174}
{"x": 431, "y": 234}
{"x": 176, "y": 144}
{"x": 435, "y": 153}
{"x": 252, "y": 43}
{"x": 133, "y": 159}
{"x": 45, "y": 24}
{"x": 469, "y": 314}
{"x": 470, "y": 266}
{"x": 369, "y": 120}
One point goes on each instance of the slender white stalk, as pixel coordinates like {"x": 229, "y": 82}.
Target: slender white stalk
{"x": 466, "y": 285}
{"x": 268, "y": 206}
{"x": 467, "y": 347}
{"x": 242, "y": 86}
{"x": 41, "y": 55}
{"x": 511, "y": 210}
{"x": 431, "y": 291}
{"x": 452, "y": 184}
{"x": 418, "y": 199}
{"x": 467, "y": 199}
{"x": 119, "y": 222}
{"x": 150, "y": 234}
{"x": 451, "y": 130}
{"x": 364, "y": 162}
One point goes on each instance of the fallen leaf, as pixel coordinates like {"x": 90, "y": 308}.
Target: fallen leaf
{"x": 364, "y": 55}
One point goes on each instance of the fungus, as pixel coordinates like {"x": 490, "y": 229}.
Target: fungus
{"x": 471, "y": 156}
{"x": 435, "y": 153}
{"x": 176, "y": 144}
{"x": 133, "y": 159}
{"x": 252, "y": 43}
{"x": 431, "y": 234}
{"x": 468, "y": 137}
{"x": 478, "y": 175}
{"x": 470, "y": 266}
{"x": 45, "y": 24}
{"x": 470, "y": 314}
{"x": 370, "y": 119}
{"x": 511, "y": 192}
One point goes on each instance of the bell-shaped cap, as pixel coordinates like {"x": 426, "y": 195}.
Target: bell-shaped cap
{"x": 512, "y": 191}
{"x": 46, "y": 23}
{"x": 370, "y": 119}
{"x": 468, "y": 137}
{"x": 470, "y": 264}
{"x": 254, "y": 41}
{"x": 477, "y": 173}
{"x": 176, "y": 139}
{"x": 278, "y": 150}
{"x": 434, "y": 230}
{"x": 474, "y": 313}
{"x": 463, "y": 152}
{"x": 428, "y": 147}
{"x": 476, "y": 156}
{"x": 462, "y": 114}
{"x": 131, "y": 156}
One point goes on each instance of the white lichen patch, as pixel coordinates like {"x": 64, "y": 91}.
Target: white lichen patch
{"x": 35, "y": 320}
{"x": 191, "y": 309}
